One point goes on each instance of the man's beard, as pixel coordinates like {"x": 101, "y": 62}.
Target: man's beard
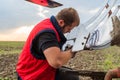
{"x": 63, "y": 28}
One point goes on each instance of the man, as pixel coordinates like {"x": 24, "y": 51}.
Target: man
{"x": 42, "y": 55}
{"x": 114, "y": 73}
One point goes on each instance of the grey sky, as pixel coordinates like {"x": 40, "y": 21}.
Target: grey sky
{"x": 17, "y": 13}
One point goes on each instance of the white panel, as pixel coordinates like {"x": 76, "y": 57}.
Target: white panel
{"x": 81, "y": 39}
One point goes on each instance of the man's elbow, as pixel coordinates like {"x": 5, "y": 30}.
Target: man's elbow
{"x": 56, "y": 64}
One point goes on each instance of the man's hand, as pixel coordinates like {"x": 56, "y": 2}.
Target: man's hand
{"x": 69, "y": 47}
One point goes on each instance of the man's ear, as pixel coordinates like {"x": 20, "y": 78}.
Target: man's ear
{"x": 61, "y": 23}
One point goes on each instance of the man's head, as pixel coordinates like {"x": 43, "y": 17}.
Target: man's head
{"x": 68, "y": 18}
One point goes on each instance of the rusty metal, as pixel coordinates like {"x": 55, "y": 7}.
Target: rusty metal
{"x": 94, "y": 75}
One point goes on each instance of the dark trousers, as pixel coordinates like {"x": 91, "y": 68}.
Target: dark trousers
{"x": 18, "y": 77}
{"x": 62, "y": 74}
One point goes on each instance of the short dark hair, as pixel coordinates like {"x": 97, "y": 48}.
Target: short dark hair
{"x": 69, "y": 15}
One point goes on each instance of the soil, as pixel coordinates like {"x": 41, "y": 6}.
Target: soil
{"x": 85, "y": 60}
{"x": 7, "y": 66}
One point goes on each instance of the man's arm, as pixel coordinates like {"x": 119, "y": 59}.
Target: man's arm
{"x": 115, "y": 73}
{"x": 50, "y": 47}
{"x": 57, "y": 58}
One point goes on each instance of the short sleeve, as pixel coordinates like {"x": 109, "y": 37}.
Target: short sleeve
{"x": 46, "y": 40}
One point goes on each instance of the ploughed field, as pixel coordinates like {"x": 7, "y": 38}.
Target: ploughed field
{"x": 96, "y": 60}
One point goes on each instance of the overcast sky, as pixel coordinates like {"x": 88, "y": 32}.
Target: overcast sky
{"x": 18, "y": 17}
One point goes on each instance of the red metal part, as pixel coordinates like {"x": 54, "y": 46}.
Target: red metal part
{"x": 46, "y": 3}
